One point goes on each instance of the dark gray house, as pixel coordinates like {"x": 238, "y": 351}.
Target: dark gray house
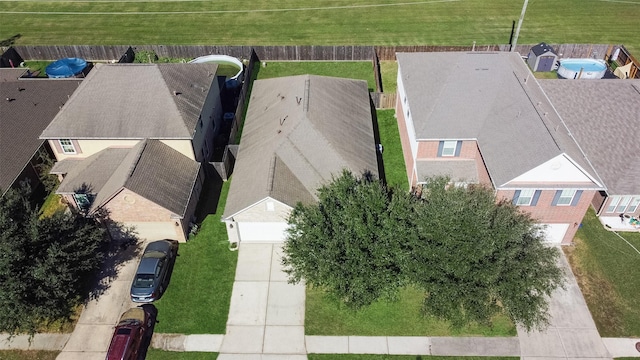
{"x": 542, "y": 57}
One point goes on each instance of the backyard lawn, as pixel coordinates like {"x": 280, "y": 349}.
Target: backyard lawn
{"x": 394, "y": 166}
{"x": 361, "y": 70}
{"x": 319, "y": 22}
{"x": 326, "y": 316}
{"x": 197, "y": 299}
{"x": 607, "y": 270}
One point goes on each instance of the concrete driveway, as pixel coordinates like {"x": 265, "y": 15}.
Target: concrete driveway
{"x": 572, "y": 334}
{"x": 91, "y": 337}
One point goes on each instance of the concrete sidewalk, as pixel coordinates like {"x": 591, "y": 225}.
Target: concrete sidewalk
{"x": 38, "y": 342}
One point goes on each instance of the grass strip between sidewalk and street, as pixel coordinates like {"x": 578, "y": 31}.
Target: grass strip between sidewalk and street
{"x": 155, "y": 354}
{"x": 28, "y": 355}
{"x": 401, "y": 357}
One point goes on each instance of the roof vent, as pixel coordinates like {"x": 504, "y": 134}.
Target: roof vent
{"x": 10, "y": 99}
{"x": 176, "y": 93}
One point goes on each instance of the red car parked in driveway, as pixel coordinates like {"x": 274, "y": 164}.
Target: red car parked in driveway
{"x": 135, "y": 324}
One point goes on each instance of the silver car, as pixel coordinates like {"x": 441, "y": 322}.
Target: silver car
{"x": 153, "y": 271}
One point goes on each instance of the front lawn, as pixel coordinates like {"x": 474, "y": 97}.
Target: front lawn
{"x": 361, "y": 70}
{"x": 325, "y": 316}
{"x": 155, "y": 354}
{"x": 607, "y": 269}
{"x": 197, "y": 299}
{"x": 392, "y": 157}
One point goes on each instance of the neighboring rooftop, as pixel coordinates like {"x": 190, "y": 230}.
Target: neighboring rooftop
{"x": 136, "y": 101}
{"x": 27, "y": 107}
{"x": 490, "y": 97}
{"x": 603, "y": 116}
{"x": 151, "y": 169}
{"x": 299, "y": 132}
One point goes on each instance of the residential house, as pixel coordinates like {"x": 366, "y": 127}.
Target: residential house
{"x": 481, "y": 117}
{"x": 299, "y": 133}
{"x": 28, "y": 106}
{"x": 131, "y": 141}
{"x": 604, "y": 117}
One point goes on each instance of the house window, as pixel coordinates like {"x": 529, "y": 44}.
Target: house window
{"x": 526, "y": 197}
{"x": 634, "y": 205}
{"x": 566, "y": 197}
{"x": 449, "y": 148}
{"x": 613, "y": 203}
{"x": 67, "y": 146}
{"x": 624, "y": 202}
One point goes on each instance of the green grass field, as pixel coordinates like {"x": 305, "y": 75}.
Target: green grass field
{"x": 607, "y": 269}
{"x": 326, "y": 316}
{"x": 197, "y": 299}
{"x": 317, "y": 22}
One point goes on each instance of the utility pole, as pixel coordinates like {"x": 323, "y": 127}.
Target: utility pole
{"x": 515, "y": 38}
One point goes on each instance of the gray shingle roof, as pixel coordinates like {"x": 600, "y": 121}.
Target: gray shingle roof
{"x": 35, "y": 103}
{"x": 151, "y": 169}
{"x": 136, "y": 101}
{"x": 456, "y": 169}
{"x": 489, "y": 97}
{"x": 604, "y": 117}
{"x": 298, "y": 132}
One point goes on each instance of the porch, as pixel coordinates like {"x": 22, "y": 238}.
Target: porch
{"x": 616, "y": 223}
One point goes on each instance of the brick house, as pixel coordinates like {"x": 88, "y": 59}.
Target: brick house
{"x": 482, "y": 117}
{"x": 603, "y": 116}
{"x": 131, "y": 141}
{"x": 299, "y": 132}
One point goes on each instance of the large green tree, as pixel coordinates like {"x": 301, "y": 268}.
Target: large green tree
{"x": 472, "y": 255}
{"x": 44, "y": 262}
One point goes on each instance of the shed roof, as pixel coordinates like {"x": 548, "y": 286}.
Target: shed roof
{"x": 542, "y": 48}
{"x": 604, "y": 117}
{"x": 299, "y": 132}
{"x": 32, "y": 104}
{"x": 490, "y": 97}
{"x": 136, "y": 101}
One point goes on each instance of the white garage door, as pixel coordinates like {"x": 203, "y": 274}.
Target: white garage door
{"x": 554, "y": 233}
{"x": 262, "y": 231}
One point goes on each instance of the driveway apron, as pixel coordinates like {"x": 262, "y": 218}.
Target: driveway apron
{"x": 572, "y": 334}
{"x": 266, "y": 316}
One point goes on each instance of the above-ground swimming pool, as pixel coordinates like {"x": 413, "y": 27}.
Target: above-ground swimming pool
{"x": 582, "y": 69}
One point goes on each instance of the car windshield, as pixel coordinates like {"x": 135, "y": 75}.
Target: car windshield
{"x": 143, "y": 281}
{"x": 123, "y": 331}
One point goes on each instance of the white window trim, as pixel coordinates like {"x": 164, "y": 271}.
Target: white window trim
{"x": 67, "y": 148}
{"x": 613, "y": 204}
{"x": 563, "y": 196}
{"x": 623, "y": 204}
{"x": 449, "y": 145}
{"x": 633, "y": 206}
{"x": 526, "y": 194}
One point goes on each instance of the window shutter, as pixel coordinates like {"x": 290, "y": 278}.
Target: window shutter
{"x": 576, "y": 198}
{"x": 556, "y": 198}
{"x": 515, "y": 197}
{"x": 56, "y": 144}
{"x": 536, "y": 195}
{"x": 76, "y": 146}
{"x": 458, "y": 147}
{"x": 440, "y": 146}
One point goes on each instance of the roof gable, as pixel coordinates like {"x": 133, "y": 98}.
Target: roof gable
{"x": 136, "y": 101}
{"x": 558, "y": 170}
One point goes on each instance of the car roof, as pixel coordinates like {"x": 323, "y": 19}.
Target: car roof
{"x": 162, "y": 246}
{"x": 148, "y": 265}
{"x": 133, "y": 314}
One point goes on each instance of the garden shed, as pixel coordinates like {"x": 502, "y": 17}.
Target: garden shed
{"x": 542, "y": 57}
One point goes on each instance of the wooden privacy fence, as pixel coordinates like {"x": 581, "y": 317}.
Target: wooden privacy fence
{"x": 285, "y": 52}
{"x": 383, "y": 100}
